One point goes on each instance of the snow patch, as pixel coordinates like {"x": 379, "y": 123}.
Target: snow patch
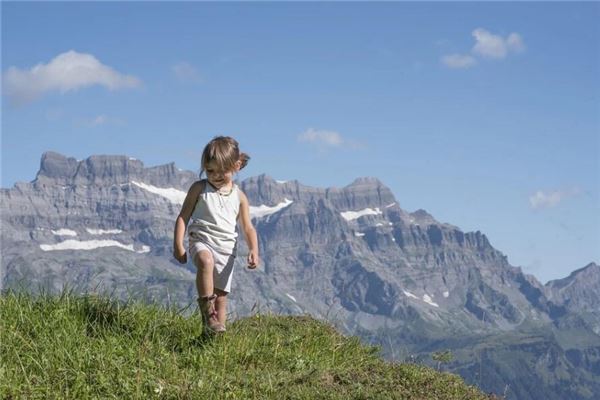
{"x": 64, "y": 232}
{"x": 291, "y": 297}
{"x": 409, "y": 294}
{"x": 281, "y": 182}
{"x": 103, "y": 231}
{"x": 390, "y": 205}
{"x": 175, "y": 196}
{"x": 72, "y": 244}
{"x": 446, "y": 294}
{"x": 352, "y": 215}
{"x": 359, "y": 234}
{"x": 379, "y": 224}
{"x": 263, "y": 210}
{"x": 427, "y": 299}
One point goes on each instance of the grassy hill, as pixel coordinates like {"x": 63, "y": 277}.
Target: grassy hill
{"x": 84, "y": 347}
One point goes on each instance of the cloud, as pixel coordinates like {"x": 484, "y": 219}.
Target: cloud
{"x": 69, "y": 71}
{"x": 540, "y": 199}
{"x": 327, "y": 138}
{"x": 186, "y": 73}
{"x": 458, "y": 61}
{"x": 324, "y": 139}
{"x": 489, "y": 45}
{"x": 99, "y": 120}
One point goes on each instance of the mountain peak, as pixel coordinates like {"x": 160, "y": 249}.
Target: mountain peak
{"x": 579, "y": 290}
{"x": 590, "y": 271}
{"x": 366, "y": 181}
{"x": 56, "y": 165}
{"x": 56, "y": 168}
{"x": 422, "y": 217}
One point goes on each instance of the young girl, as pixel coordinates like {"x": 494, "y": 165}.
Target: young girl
{"x": 215, "y": 205}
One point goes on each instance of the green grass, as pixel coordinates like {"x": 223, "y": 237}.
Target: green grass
{"x": 87, "y": 347}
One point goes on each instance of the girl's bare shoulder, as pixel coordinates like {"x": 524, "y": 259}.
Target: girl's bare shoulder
{"x": 243, "y": 198}
{"x": 198, "y": 186}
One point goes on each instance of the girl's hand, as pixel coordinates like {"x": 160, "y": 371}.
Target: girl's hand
{"x": 253, "y": 259}
{"x": 180, "y": 255}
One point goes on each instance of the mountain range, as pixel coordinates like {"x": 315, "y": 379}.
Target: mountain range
{"x": 350, "y": 255}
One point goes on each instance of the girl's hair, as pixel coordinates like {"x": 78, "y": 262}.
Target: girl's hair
{"x": 225, "y": 152}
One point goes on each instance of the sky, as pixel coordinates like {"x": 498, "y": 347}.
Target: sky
{"x": 487, "y": 115}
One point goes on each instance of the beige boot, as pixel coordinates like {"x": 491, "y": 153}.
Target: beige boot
{"x": 210, "y": 319}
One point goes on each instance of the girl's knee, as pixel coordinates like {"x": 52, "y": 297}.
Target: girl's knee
{"x": 204, "y": 259}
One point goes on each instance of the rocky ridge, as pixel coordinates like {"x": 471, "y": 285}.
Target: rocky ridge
{"x": 351, "y": 255}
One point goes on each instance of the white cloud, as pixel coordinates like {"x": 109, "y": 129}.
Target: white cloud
{"x": 515, "y": 43}
{"x": 458, "y": 61}
{"x": 66, "y": 72}
{"x": 328, "y": 138}
{"x": 541, "y": 199}
{"x": 324, "y": 139}
{"x": 186, "y": 73}
{"x": 98, "y": 120}
{"x": 489, "y": 45}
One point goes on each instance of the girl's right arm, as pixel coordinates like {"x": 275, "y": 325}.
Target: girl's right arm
{"x": 182, "y": 220}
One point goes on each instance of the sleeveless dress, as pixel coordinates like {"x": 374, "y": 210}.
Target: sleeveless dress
{"x": 213, "y": 227}
{"x": 214, "y": 219}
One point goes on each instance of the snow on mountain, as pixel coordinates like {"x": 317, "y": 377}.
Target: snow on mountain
{"x": 175, "y": 196}
{"x": 103, "y": 231}
{"x": 64, "y": 232}
{"x": 264, "y": 210}
{"x": 352, "y": 215}
{"x": 72, "y": 244}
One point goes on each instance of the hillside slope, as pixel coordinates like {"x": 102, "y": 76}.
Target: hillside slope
{"x": 84, "y": 347}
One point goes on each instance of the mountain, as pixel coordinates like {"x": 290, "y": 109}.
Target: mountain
{"x": 349, "y": 255}
{"x": 578, "y": 291}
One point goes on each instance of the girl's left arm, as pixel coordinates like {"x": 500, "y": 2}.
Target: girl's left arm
{"x": 249, "y": 231}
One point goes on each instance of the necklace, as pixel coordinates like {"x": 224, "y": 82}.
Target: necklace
{"x": 223, "y": 194}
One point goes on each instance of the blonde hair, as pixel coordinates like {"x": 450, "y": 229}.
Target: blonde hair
{"x": 224, "y": 151}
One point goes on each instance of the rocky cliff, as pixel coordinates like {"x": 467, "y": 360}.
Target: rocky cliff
{"x": 351, "y": 255}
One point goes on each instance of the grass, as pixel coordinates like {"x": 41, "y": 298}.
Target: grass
{"x": 87, "y": 347}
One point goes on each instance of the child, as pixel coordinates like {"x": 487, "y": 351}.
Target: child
{"x": 215, "y": 205}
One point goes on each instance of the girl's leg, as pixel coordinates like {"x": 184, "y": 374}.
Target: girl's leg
{"x": 204, "y": 275}
{"x": 221, "y": 305}
{"x": 206, "y": 298}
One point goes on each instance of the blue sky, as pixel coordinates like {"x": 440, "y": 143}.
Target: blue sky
{"x": 487, "y": 115}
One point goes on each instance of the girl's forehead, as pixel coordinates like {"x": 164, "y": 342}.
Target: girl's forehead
{"x": 213, "y": 165}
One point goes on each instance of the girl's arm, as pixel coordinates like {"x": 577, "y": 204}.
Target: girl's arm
{"x": 182, "y": 220}
{"x": 249, "y": 231}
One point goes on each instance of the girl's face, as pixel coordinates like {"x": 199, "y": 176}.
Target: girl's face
{"x": 217, "y": 177}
